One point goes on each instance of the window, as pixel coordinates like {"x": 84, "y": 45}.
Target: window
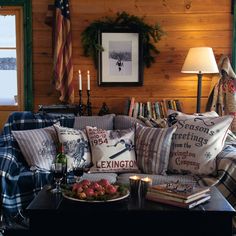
{"x": 15, "y": 55}
{"x": 10, "y": 58}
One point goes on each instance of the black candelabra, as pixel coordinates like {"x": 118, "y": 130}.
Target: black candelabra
{"x": 89, "y": 106}
{"x": 80, "y": 103}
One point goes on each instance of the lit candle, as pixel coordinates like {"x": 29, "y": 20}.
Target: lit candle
{"x": 134, "y": 186}
{"x": 145, "y": 184}
{"x": 80, "y": 80}
{"x": 135, "y": 177}
{"x": 147, "y": 180}
{"x": 88, "y": 78}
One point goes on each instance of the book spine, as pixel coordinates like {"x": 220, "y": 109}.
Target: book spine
{"x": 149, "y": 109}
{"x": 154, "y": 116}
{"x": 158, "y": 115}
{"x": 178, "y": 204}
{"x": 169, "y": 202}
{"x": 131, "y": 107}
{"x": 126, "y": 107}
{"x": 179, "y": 194}
{"x": 178, "y": 105}
{"x": 140, "y": 109}
{"x": 136, "y": 110}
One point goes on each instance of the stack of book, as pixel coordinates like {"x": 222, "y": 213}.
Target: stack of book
{"x": 183, "y": 195}
{"x": 151, "y": 109}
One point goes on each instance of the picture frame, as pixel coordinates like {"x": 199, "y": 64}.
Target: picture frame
{"x": 120, "y": 58}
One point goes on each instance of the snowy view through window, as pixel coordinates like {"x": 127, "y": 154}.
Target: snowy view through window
{"x": 8, "y": 70}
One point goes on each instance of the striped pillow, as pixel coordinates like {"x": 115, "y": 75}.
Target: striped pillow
{"x": 38, "y": 146}
{"x": 153, "y": 149}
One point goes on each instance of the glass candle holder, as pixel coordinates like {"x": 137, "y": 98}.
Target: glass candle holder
{"x": 134, "y": 182}
{"x": 145, "y": 183}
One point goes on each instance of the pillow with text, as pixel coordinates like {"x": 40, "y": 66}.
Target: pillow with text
{"x": 112, "y": 150}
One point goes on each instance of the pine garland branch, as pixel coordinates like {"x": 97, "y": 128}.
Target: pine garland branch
{"x": 91, "y": 46}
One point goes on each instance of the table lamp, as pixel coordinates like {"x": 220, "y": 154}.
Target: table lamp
{"x": 200, "y": 60}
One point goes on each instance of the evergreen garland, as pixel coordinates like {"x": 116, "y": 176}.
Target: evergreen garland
{"x": 123, "y": 20}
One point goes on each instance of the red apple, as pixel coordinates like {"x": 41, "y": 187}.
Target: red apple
{"x": 80, "y": 190}
{"x": 76, "y": 186}
{"x": 110, "y": 189}
{"x": 82, "y": 195}
{"x": 85, "y": 182}
{"x": 89, "y": 192}
{"x": 104, "y": 182}
{"x": 101, "y": 193}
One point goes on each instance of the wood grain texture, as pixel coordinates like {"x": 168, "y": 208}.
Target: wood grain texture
{"x": 188, "y": 23}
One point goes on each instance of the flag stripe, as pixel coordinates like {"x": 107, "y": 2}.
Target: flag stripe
{"x": 63, "y": 66}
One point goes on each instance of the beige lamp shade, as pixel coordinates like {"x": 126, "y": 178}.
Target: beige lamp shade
{"x": 200, "y": 60}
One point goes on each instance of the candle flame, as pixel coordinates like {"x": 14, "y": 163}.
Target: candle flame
{"x": 146, "y": 179}
{"x": 135, "y": 177}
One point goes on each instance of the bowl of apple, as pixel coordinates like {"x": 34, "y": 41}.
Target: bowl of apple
{"x": 95, "y": 191}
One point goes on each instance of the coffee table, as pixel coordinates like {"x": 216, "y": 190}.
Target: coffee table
{"x": 63, "y": 216}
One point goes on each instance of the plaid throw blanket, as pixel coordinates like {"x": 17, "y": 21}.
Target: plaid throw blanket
{"x": 225, "y": 180}
{"x": 19, "y": 184}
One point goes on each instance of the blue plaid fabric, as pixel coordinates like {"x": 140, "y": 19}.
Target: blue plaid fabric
{"x": 19, "y": 184}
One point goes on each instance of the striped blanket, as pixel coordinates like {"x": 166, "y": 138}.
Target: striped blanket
{"x": 19, "y": 184}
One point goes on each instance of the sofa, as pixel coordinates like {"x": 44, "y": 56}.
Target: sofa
{"x": 21, "y": 183}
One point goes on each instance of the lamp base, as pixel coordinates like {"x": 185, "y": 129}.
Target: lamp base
{"x": 199, "y": 92}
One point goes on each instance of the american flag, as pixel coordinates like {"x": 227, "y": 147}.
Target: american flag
{"x": 63, "y": 68}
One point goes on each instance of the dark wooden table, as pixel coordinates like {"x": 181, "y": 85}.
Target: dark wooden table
{"x": 53, "y": 212}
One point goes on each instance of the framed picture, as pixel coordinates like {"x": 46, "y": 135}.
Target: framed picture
{"x": 120, "y": 61}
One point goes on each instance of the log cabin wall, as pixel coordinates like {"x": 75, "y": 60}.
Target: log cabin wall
{"x": 187, "y": 23}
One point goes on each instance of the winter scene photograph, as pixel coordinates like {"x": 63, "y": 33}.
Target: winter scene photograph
{"x": 120, "y": 58}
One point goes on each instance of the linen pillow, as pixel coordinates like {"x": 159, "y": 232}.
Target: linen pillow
{"x": 153, "y": 148}
{"x": 102, "y": 122}
{"x": 196, "y": 142}
{"x": 38, "y": 146}
{"x": 112, "y": 150}
{"x": 75, "y": 144}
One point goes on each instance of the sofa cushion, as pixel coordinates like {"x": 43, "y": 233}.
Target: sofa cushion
{"x": 123, "y": 178}
{"x": 111, "y": 177}
{"x": 38, "y": 146}
{"x": 101, "y": 122}
{"x": 75, "y": 144}
{"x": 112, "y": 150}
{"x": 196, "y": 142}
{"x": 126, "y": 122}
{"x": 153, "y": 148}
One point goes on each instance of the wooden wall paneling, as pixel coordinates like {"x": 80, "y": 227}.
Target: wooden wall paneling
{"x": 186, "y": 23}
{"x": 145, "y": 7}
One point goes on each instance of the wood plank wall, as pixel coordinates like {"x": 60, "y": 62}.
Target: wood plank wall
{"x": 187, "y": 23}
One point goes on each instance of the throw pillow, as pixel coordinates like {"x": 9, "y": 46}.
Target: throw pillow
{"x": 196, "y": 142}
{"x": 112, "y": 150}
{"x": 75, "y": 144}
{"x": 38, "y": 146}
{"x": 153, "y": 148}
{"x": 102, "y": 122}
